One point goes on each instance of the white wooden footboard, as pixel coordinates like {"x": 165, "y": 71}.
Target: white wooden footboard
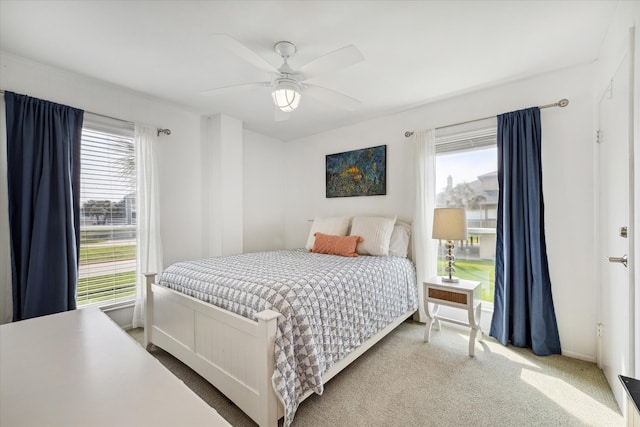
{"x": 233, "y": 353}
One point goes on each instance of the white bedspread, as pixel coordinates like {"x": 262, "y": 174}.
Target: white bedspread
{"x": 329, "y": 304}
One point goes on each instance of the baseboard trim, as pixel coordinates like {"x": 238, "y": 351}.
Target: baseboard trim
{"x": 579, "y": 356}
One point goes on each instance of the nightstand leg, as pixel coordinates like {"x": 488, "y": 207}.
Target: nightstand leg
{"x": 478, "y": 314}
{"x": 474, "y": 322}
{"x": 472, "y": 341}
{"x": 427, "y": 329}
{"x": 430, "y": 318}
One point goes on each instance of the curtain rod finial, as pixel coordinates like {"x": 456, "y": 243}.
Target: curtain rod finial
{"x": 408, "y": 133}
{"x": 164, "y": 131}
{"x": 563, "y": 102}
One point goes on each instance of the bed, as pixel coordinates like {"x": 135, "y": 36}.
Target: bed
{"x": 268, "y": 329}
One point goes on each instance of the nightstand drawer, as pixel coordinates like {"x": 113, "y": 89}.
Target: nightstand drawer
{"x": 448, "y": 296}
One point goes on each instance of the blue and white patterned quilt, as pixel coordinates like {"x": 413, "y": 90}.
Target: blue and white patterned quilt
{"x": 329, "y": 304}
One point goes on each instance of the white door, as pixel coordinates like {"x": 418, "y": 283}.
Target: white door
{"x": 614, "y": 197}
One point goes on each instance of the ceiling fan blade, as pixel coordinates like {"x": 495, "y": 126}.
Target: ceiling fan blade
{"x": 332, "y": 61}
{"x": 234, "y": 46}
{"x": 280, "y": 116}
{"x": 331, "y": 97}
{"x": 219, "y": 90}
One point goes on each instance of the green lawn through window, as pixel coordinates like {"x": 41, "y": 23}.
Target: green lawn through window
{"x": 475, "y": 269}
{"x": 90, "y": 253}
{"x": 107, "y": 287}
{"x": 98, "y": 258}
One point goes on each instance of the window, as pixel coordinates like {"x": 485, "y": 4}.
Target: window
{"x": 466, "y": 176}
{"x": 107, "y": 212}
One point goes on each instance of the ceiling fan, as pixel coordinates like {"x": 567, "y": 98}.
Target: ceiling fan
{"x": 288, "y": 84}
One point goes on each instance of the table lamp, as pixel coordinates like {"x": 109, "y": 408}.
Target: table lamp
{"x": 449, "y": 224}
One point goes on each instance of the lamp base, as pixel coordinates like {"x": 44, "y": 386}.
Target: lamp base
{"x": 450, "y": 269}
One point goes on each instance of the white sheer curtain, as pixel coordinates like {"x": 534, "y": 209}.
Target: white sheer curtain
{"x": 425, "y": 248}
{"x": 6, "y": 299}
{"x": 148, "y": 245}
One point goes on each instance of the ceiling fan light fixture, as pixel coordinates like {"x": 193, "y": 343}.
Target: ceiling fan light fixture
{"x": 286, "y": 94}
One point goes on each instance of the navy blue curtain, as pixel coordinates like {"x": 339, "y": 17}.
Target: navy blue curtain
{"x": 43, "y": 175}
{"x": 523, "y": 305}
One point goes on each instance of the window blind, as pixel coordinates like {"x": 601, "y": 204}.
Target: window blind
{"x": 107, "y": 212}
{"x": 466, "y": 140}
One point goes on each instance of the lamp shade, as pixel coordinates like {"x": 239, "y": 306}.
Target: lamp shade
{"x": 449, "y": 224}
{"x": 286, "y": 94}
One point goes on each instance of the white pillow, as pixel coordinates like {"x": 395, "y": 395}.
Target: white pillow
{"x": 333, "y": 225}
{"x": 376, "y": 232}
{"x": 400, "y": 237}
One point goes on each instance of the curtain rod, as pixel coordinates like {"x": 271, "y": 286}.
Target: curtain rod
{"x": 164, "y": 131}
{"x": 562, "y": 103}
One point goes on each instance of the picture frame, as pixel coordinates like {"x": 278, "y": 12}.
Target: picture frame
{"x": 357, "y": 173}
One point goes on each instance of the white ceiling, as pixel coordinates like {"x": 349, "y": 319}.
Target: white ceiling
{"x": 415, "y": 51}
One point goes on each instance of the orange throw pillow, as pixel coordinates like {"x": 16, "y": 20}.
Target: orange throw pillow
{"x": 336, "y": 245}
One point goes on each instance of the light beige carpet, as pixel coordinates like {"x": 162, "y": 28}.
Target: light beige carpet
{"x": 403, "y": 381}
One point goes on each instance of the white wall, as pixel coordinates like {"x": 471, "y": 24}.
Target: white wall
{"x": 184, "y": 159}
{"x": 180, "y": 180}
{"x": 180, "y": 209}
{"x": 256, "y": 185}
{"x": 568, "y": 180}
{"x": 297, "y": 169}
{"x": 263, "y": 192}
{"x": 305, "y": 166}
{"x": 222, "y": 226}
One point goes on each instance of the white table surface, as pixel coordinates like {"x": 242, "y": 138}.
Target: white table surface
{"x": 80, "y": 369}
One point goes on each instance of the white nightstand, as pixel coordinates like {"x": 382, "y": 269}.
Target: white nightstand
{"x": 464, "y": 294}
